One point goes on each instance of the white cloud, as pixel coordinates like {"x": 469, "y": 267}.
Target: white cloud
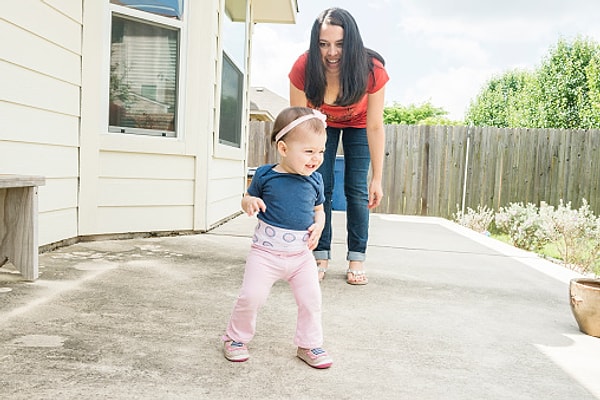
{"x": 379, "y": 4}
{"x": 514, "y": 29}
{"x": 456, "y": 48}
{"x": 272, "y": 59}
{"x": 451, "y": 90}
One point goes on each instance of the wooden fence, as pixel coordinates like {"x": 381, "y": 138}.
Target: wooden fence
{"x": 260, "y": 149}
{"x": 437, "y": 170}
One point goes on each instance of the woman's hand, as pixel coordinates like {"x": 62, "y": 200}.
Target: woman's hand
{"x": 375, "y": 194}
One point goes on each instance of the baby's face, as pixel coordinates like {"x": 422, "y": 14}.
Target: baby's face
{"x": 304, "y": 151}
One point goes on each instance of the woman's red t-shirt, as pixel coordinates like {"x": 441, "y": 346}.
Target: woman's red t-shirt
{"x": 353, "y": 116}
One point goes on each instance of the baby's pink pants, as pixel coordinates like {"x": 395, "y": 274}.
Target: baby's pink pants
{"x": 263, "y": 268}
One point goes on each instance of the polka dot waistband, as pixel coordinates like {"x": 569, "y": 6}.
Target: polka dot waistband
{"x": 280, "y": 239}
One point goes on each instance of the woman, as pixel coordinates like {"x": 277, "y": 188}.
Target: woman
{"x": 345, "y": 81}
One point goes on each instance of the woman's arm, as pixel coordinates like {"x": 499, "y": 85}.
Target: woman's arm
{"x": 376, "y": 138}
{"x": 297, "y": 97}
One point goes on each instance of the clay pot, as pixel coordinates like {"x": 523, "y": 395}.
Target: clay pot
{"x": 585, "y": 304}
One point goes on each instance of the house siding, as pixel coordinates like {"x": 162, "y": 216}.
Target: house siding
{"x": 40, "y": 68}
{"x": 227, "y": 187}
{"x": 145, "y": 192}
{"x": 54, "y": 113}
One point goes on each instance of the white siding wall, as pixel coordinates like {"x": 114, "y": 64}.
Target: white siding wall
{"x": 227, "y": 185}
{"x": 40, "y": 64}
{"x": 145, "y": 192}
{"x": 54, "y": 113}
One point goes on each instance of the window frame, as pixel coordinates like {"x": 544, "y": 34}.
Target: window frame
{"x": 224, "y": 149}
{"x": 178, "y": 25}
{"x": 227, "y": 61}
{"x": 135, "y": 6}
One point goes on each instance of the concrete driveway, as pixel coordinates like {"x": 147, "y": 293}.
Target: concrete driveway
{"x": 448, "y": 314}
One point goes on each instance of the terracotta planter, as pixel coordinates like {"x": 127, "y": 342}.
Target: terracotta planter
{"x": 585, "y": 304}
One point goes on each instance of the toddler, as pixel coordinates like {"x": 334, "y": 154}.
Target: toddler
{"x": 288, "y": 198}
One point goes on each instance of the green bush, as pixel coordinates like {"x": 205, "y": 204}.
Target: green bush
{"x": 523, "y": 225}
{"x": 478, "y": 220}
{"x": 575, "y": 234}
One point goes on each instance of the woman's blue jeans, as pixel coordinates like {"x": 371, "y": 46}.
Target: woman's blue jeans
{"x": 357, "y": 161}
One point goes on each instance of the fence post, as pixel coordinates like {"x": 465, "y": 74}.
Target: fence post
{"x": 464, "y": 191}
{"x": 425, "y": 172}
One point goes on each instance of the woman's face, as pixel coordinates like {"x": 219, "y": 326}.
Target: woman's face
{"x": 331, "y": 40}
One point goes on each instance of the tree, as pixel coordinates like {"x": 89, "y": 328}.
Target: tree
{"x": 591, "y": 116}
{"x": 564, "y": 92}
{"x": 503, "y": 102}
{"x": 564, "y": 84}
{"x": 424, "y": 114}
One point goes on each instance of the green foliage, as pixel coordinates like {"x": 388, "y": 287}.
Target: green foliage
{"x": 522, "y": 223}
{"x": 563, "y": 83}
{"x": 424, "y": 114}
{"x": 503, "y": 102}
{"x": 590, "y": 116}
{"x": 478, "y": 220}
{"x": 564, "y": 92}
{"x": 575, "y": 232}
{"x": 572, "y": 235}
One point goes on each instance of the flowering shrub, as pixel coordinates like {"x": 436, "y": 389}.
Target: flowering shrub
{"x": 522, "y": 224}
{"x": 479, "y": 220}
{"x": 576, "y": 233}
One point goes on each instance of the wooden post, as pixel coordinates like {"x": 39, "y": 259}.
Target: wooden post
{"x": 19, "y": 222}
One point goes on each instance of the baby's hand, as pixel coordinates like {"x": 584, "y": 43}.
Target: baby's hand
{"x": 314, "y": 234}
{"x": 251, "y": 205}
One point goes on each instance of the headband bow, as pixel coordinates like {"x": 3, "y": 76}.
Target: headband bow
{"x": 315, "y": 114}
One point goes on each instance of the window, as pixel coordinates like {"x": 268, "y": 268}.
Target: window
{"x": 232, "y": 90}
{"x": 144, "y": 58}
{"x": 232, "y": 82}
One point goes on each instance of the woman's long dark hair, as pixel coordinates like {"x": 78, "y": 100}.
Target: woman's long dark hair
{"x": 356, "y": 63}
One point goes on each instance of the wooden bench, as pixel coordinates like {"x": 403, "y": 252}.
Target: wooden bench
{"x": 19, "y": 222}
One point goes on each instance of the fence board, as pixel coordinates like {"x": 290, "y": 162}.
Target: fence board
{"x": 542, "y": 160}
{"x": 580, "y": 175}
{"x": 438, "y": 171}
{"x": 594, "y": 177}
{"x": 260, "y": 149}
{"x": 571, "y": 173}
{"x": 499, "y": 178}
{"x": 554, "y": 166}
{"x": 454, "y": 173}
{"x": 397, "y": 191}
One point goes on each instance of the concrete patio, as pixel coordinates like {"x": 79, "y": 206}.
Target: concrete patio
{"x": 448, "y": 314}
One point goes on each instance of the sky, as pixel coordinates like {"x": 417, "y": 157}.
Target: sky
{"x": 438, "y": 51}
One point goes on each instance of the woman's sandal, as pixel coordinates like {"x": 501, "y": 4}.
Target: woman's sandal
{"x": 356, "y": 277}
{"x": 321, "y": 271}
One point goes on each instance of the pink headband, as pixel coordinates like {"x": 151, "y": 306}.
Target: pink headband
{"x": 316, "y": 114}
